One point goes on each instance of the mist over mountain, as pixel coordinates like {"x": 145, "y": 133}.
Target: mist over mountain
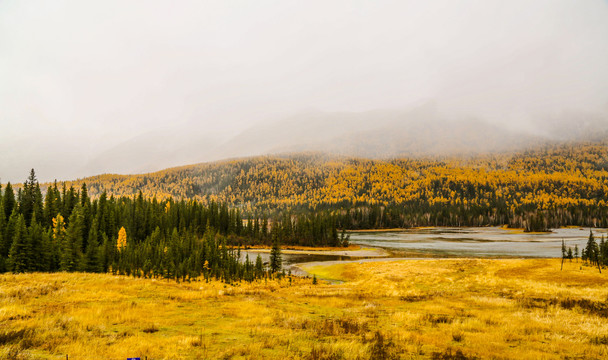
{"x": 421, "y": 131}
{"x": 153, "y": 151}
{"x": 105, "y": 87}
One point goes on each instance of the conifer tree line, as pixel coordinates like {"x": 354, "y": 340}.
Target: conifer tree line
{"x": 67, "y": 230}
{"x": 595, "y": 253}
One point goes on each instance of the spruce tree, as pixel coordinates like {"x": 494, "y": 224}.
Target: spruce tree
{"x": 9, "y": 232}
{"x": 48, "y": 257}
{"x": 31, "y": 198}
{"x": 52, "y": 202}
{"x": 19, "y": 258}
{"x": 259, "y": 266}
{"x": 35, "y": 234}
{"x": 275, "y": 256}
{"x": 8, "y": 200}
{"x": 71, "y": 251}
{"x": 92, "y": 258}
{"x": 590, "y": 249}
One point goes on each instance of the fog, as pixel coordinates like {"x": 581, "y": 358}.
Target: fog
{"x": 89, "y": 87}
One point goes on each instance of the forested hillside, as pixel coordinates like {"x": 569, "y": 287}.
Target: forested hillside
{"x": 550, "y": 186}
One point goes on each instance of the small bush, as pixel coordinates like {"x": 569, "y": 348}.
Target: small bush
{"x": 600, "y": 340}
{"x": 15, "y": 336}
{"x": 449, "y": 355}
{"x": 382, "y": 349}
{"x": 438, "y": 319}
{"x": 324, "y": 352}
{"x": 458, "y": 336}
{"x": 150, "y": 329}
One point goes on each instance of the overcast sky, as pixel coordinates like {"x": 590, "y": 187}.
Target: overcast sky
{"x": 78, "y": 77}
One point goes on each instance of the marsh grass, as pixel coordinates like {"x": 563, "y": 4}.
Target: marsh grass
{"x": 428, "y": 309}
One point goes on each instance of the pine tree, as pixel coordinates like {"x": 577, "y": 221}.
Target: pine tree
{"x": 275, "y": 256}
{"x": 92, "y": 258}
{"x": 259, "y": 266}
{"x": 48, "y": 257}
{"x": 52, "y": 202}
{"x": 9, "y": 232}
{"x": 35, "y": 234}
{"x": 31, "y": 198}
{"x": 563, "y": 253}
{"x": 19, "y": 257}
{"x": 590, "y": 249}
{"x": 9, "y": 200}
{"x": 604, "y": 252}
{"x": 71, "y": 251}
{"x": 2, "y": 229}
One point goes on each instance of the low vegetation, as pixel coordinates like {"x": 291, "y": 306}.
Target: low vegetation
{"x": 428, "y": 309}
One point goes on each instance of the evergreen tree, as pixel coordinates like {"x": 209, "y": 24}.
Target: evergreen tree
{"x": 48, "y": 253}
{"x": 31, "y": 198}
{"x": 275, "y": 256}
{"x": 2, "y": 229}
{"x": 603, "y": 252}
{"x": 92, "y": 258}
{"x": 9, "y": 232}
{"x": 71, "y": 251}
{"x": 52, "y": 204}
{"x": 35, "y": 234}
{"x": 8, "y": 200}
{"x": 259, "y": 266}
{"x": 20, "y": 253}
{"x": 591, "y": 248}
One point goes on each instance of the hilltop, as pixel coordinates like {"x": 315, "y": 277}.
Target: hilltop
{"x": 566, "y": 182}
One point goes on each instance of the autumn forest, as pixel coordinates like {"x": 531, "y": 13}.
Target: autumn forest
{"x": 544, "y": 187}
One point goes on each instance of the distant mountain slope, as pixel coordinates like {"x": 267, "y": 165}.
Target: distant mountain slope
{"x": 378, "y": 134}
{"x": 496, "y": 188}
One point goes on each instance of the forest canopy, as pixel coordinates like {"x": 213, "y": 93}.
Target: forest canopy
{"x": 545, "y": 187}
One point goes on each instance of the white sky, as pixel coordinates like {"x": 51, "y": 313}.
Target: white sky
{"x": 79, "y": 77}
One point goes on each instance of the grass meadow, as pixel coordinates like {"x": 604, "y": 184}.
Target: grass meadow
{"x": 412, "y": 309}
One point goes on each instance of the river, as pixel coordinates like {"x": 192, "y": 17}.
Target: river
{"x": 477, "y": 241}
{"x": 488, "y": 242}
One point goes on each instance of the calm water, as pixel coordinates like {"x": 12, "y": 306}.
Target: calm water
{"x": 289, "y": 259}
{"x": 484, "y": 241}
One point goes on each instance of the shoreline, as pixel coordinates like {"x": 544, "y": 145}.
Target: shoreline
{"x": 357, "y": 253}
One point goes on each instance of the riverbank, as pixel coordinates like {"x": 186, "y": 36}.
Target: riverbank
{"x": 352, "y": 251}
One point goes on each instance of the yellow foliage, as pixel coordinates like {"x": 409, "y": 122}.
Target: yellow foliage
{"x": 121, "y": 242}
{"x": 548, "y": 178}
{"x": 58, "y": 227}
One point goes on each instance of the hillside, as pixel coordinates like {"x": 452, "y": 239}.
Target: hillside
{"x": 566, "y": 182}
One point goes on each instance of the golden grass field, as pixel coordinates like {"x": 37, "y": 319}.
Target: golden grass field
{"x": 441, "y": 309}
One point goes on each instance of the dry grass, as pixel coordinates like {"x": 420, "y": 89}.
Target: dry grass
{"x": 436, "y": 309}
